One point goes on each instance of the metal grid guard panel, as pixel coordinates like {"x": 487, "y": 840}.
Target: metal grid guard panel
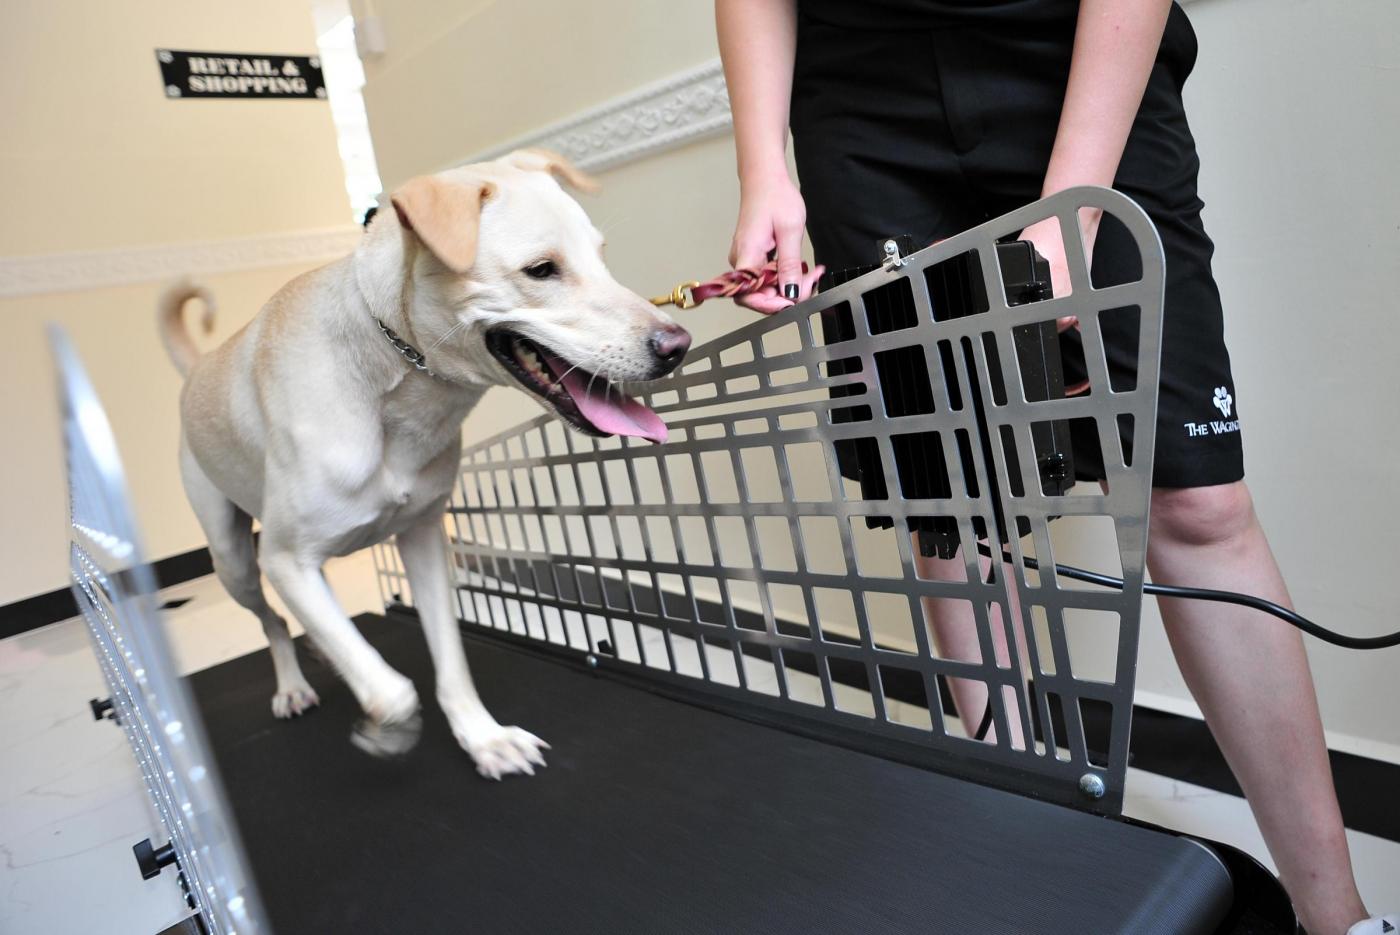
{"x": 116, "y": 590}
{"x": 735, "y": 557}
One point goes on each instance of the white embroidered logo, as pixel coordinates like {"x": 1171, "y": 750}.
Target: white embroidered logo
{"x": 1223, "y": 401}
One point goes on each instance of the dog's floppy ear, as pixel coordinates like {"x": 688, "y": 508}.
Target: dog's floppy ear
{"x": 542, "y": 160}
{"x": 445, "y": 215}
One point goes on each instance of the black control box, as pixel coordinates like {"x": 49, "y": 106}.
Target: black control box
{"x": 905, "y": 375}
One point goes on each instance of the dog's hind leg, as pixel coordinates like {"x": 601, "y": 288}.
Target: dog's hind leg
{"x": 497, "y": 750}
{"x": 230, "y": 534}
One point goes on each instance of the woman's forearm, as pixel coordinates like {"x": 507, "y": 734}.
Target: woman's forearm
{"x": 1115, "y": 45}
{"x": 758, "y": 44}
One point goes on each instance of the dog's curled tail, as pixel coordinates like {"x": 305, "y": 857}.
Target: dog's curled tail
{"x": 170, "y": 320}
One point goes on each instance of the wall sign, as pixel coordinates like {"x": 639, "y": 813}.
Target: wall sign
{"x": 238, "y": 74}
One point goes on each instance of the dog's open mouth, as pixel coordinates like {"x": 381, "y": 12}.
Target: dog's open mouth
{"x": 584, "y": 400}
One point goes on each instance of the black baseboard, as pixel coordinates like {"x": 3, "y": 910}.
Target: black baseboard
{"x": 53, "y": 606}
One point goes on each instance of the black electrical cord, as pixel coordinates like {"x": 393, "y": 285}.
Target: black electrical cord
{"x": 986, "y": 724}
{"x": 1385, "y": 641}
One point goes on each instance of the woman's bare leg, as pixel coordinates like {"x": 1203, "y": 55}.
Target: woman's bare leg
{"x": 1249, "y": 673}
{"x": 953, "y": 626}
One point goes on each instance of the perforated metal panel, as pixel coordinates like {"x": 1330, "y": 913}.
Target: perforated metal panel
{"x": 116, "y": 591}
{"x": 738, "y": 558}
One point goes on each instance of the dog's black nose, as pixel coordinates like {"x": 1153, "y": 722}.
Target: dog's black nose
{"x": 670, "y": 344}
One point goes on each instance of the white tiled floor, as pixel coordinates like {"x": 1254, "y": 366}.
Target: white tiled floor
{"x": 72, "y": 803}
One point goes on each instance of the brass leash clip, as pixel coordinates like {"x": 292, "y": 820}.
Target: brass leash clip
{"x": 680, "y": 296}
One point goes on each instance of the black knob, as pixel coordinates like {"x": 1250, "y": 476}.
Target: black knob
{"x": 1054, "y": 467}
{"x": 152, "y": 861}
{"x": 101, "y": 708}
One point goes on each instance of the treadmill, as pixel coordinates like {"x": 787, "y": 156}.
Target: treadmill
{"x": 721, "y": 637}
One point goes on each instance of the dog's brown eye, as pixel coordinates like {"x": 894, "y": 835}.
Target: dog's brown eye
{"x": 545, "y": 269}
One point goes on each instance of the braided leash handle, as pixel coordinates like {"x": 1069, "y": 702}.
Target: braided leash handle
{"x": 727, "y": 285}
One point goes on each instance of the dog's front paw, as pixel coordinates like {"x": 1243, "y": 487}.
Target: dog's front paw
{"x": 388, "y": 739}
{"x": 391, "y": 725}
{"x": 294, "y": 701}
{"x": 500, "y": 751}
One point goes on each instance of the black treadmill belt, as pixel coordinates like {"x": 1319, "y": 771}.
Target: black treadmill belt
{"x": 655, "y": 816}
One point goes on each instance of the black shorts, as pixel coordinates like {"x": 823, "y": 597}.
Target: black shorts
{"x": 928, "y": 129}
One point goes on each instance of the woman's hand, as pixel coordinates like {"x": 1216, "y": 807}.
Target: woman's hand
{"x": 1045, "y": 235}
{"x": 772, "y": 216}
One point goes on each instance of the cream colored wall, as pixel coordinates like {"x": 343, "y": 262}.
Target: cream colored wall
{"x": 96, "y": 158}
{"x": 1296, "y": 111}
{"x": 461, "y": 77}
{"x": 1294, "y": 168}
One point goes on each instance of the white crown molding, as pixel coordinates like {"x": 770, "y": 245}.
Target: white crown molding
{"x": 687, "y": 106}
{"x": 97, "y": 269}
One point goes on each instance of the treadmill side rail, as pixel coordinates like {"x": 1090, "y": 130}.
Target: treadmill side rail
{"x": 116, "y": 590}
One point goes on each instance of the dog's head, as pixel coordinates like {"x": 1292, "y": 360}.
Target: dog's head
{"x": 503, "y": 282}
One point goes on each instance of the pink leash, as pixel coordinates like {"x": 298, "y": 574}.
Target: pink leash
{"x": 737, "y": 282}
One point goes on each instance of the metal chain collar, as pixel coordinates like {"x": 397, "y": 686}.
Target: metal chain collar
{"x": 409, "y": 352}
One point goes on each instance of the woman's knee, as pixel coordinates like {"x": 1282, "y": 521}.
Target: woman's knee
{"x": 1201, "y": 515}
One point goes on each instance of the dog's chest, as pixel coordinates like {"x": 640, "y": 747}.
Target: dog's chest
{"x": 411, "y": 484}
{"x": 418, "y": 424}
{"x": 419, "y": 461}
{"x": 411, "y": 472}
{"x": 393, "y": 501}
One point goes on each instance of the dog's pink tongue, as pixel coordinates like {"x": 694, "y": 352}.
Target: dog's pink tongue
{"x": 609, "y": 410}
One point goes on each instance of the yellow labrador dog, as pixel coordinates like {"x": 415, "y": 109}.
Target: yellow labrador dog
{"x": 334, "y": 416}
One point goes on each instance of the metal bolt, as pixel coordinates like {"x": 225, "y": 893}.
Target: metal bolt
{"x": 1091, "y": 784}
{"x": 892, "y": 258}
{"x": 592, "y": 661}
